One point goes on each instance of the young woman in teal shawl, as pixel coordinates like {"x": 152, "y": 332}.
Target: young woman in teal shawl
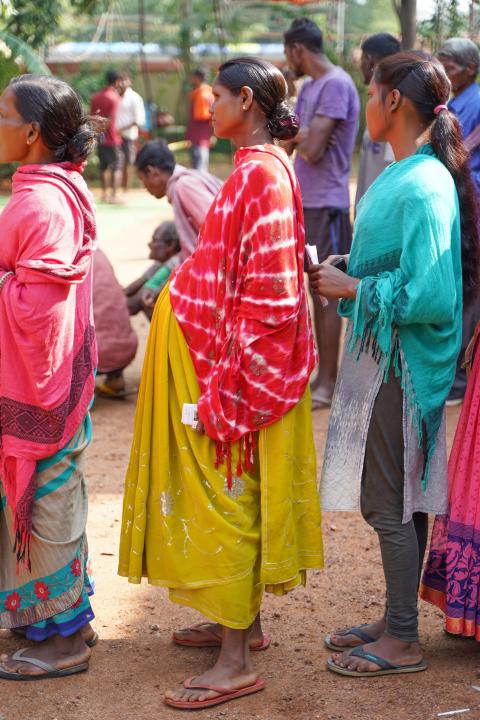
{"x": 415, "y": 237}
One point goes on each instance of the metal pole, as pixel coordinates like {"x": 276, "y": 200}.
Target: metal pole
{"x": 340, "y": 47}
{"x": 143, "y": 59}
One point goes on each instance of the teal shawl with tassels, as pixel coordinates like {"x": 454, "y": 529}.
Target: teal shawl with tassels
{"x": 406, "y": 252}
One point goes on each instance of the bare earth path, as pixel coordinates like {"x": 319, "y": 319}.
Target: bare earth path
{"x": 135, "y": 661}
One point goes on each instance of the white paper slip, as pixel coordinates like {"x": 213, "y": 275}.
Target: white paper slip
{"x": 312, "y": 254}
{"x": 312, "y": 257}
{"x": 190, "y": 414}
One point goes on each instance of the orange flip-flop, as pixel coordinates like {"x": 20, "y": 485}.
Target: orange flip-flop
{"x": 212, "y": 640}
{"x": 222, "y": 697}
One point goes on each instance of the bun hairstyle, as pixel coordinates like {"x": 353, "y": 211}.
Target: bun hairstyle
{"x": 422, "y": 79}
{"x": 57, "y": 110}
{"x": 269, "y": 90}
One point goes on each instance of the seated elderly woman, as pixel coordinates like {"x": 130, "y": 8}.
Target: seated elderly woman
{"x": 164, "y": 247}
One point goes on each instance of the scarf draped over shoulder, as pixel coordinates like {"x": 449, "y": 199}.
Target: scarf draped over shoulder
{"x": 240, "y": 301}
{"x": 47, "y": 341}
{"x": 406, "y": 250}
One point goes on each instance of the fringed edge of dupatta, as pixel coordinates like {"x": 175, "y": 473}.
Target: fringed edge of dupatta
{"x": 374, "y": 333}
{"x": 246, "y": 447}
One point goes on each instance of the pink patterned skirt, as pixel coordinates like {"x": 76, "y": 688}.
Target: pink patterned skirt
{"x": 451, "y": 579}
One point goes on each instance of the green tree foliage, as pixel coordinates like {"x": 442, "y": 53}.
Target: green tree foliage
{"x": 36, "y": 21}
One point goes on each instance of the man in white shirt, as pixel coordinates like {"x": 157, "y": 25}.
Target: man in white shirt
{"x": 130, "y": 118}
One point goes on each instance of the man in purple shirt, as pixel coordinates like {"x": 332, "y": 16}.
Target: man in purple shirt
{"x": 328, "y": 107}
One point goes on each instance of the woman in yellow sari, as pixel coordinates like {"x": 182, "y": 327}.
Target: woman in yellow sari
{"x": 224, "y": 508}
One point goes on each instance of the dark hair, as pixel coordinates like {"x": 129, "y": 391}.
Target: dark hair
{"x": 269, "y": 90}
{"x": 305, "y": 32}
{"x": 463, "y": 51}
{"x": 200, "y": 73}
{"x": 157, "y": 154}
{"x": 167, "y": 233}
{"x": 381, "y": 45}
{"x": 112, "y": 76}
{"x": 124, "y": 75}
{"x": 422, "y": 80}
{"x": 57, "y": 110}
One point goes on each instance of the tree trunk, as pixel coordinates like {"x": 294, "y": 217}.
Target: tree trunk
{"x": 407, "y": 14}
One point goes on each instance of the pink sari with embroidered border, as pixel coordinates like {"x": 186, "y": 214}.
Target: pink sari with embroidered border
{"x": 451, "y": 579}
{"x": 47, "y": 341}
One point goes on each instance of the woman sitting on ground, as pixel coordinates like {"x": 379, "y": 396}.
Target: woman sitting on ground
{"x": 165, "y": 248}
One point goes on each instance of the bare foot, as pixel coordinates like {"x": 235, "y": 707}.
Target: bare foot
{"x": 232, "y": 671}
{"x": 57, "y": 651}
{"x": 375, "y": 630}
{"x": 88, "y": 633}
{"x": 209, "y": 632}
{"x": 394, "y": 651}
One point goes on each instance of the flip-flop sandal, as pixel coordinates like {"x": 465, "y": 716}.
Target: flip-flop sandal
{"x": 386, "y": 667}
{"x": 354, "y": 630}
{"x": 320, "y": 402}
{"x": 91, "y": 642}
{"x": 105, "y": 391}
{"x": 50, "y": 671}
{"x": 222, "y": 697}
{"x": 214, "y": 641}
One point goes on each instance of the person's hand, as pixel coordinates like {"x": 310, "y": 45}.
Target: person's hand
{"x": 199, "y": 427}
{"x": 149, "y": 298}
{"x": 330, "y": 282}
{"x": 331, "y": 142}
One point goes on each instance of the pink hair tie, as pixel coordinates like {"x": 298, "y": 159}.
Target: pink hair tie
{"x": 439, "y": 109}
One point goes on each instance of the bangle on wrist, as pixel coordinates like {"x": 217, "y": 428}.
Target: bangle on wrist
{"x": 4, "y": 278}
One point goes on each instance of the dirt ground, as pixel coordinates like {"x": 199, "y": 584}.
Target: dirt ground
{"x": 135, "y": 661}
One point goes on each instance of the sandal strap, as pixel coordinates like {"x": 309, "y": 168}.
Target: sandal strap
{"x": 358, "y": 632}
{"x": 20, "y": 657}
{"x": 381, "y": 662}
{"x": 191, "y": 684}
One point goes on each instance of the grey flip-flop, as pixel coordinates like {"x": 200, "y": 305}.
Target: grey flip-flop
{"x": 354, "y": 630}
{"x": 50, "y": 671}
{"x": 386, "y": 667}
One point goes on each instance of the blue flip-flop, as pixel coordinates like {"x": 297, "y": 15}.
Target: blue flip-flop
{"x": 354, "y": 630}
{"x": 385, "y": 667}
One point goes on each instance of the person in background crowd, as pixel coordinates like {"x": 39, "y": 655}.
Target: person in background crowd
{"x": 415, "y": 254}
{"x": 451, "y": 579}
{"x": 225, "y": 511}
{"x": 327, "y": 105}
{"x": 461, "y": 59}
{"x": 116, "y": 339}
{"x": 199, "y": 128}
{"x": 190, "y": 192}
{"x": 165, "y": 250}
{"x": 374, "y": 156}
{"x": 106, "y": 103}
{"x": 47, "y": 377}
{"x": 130, "y": 118}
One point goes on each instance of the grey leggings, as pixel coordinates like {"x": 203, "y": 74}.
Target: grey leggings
{"x": 402, "y": 545}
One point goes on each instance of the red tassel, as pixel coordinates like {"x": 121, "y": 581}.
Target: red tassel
{"x": 219, "y": 453}
{"x": 239, "y": 461}
{"x": 229, "y": 466}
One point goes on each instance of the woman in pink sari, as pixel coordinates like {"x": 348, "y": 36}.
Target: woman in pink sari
{"x": 47, "y": 360}
{"x": 451, "y": 579}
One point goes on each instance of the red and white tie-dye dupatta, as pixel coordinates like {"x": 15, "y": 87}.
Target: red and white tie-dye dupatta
{"x": 241, "y": 303}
